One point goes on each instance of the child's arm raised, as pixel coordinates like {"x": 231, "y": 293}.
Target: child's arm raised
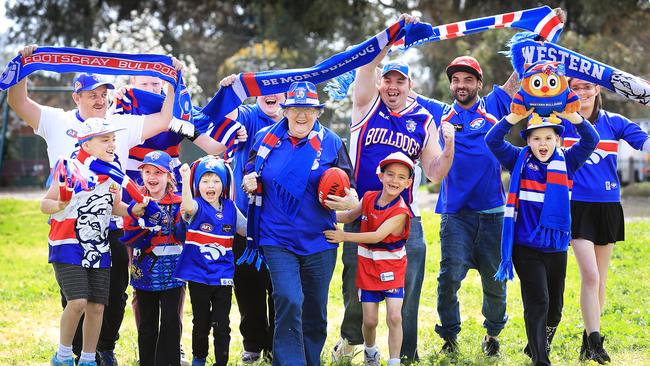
{"x": 51, "y": 204}
{"x": 392, "y": 225}
{"x": 188, "y": 205}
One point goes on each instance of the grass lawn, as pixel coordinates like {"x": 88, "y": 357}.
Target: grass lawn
{"x": 30, "y": 306}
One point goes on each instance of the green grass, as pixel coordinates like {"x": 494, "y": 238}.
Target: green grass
{"x": 30, "y": 305}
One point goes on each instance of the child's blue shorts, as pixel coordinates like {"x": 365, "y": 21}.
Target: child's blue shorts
{"x": 379, "y": 296}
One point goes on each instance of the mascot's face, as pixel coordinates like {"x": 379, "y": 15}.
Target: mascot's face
{"x": 544, "y": 84}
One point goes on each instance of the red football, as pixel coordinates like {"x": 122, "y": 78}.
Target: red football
{"x": 333, "y": 181}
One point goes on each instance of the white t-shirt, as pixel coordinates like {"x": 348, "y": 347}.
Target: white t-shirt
{"x": 59, "y": 129}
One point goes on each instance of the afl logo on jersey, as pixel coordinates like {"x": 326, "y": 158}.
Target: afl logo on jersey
{"x": 72, "y": 133}
{"x": 410, "y": 125}
{"x": 206, "y": 227}
{"x": 477, "y": 123}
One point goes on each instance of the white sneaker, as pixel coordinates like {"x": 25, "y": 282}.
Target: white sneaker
{"x": 369, "y": 360}
{"x": 343, "y": 351}
{"x": 184, "y": 361}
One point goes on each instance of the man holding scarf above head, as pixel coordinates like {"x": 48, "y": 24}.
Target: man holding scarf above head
{"x": 384, "y": 121}
{"x": 59, "y": 129}
{"x": 286, "y": 221}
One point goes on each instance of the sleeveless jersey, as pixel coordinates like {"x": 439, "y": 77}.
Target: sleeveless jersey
{"x": 382, "y": 266}
{"x": 207, "y": 256}
{"x": 79, "y": 233}
{"x": 382, "y": 132}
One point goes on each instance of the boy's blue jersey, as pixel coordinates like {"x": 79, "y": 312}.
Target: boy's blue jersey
{"x": 474, "y": 179}
{"x": 253, "y": 119}
{"x": 382, "y": 132}
{"x": 597, "y": 180}
{"x": 207, "y": 256}
{"x": 302, "y": 234}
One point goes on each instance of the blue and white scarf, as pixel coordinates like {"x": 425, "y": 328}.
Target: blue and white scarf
{"x": 524, "y": 50}
{"x": 290, "y": 185}
{"x": 65, "y": 59}
{"x": 554, "y": 224}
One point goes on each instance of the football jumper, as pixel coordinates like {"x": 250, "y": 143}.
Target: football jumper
{"x": 79, "y": 233}
{"x": 382, "y": 266}
{"x": 154, "y": 262}
{"x": 382, "y": 132}
{"x": 596, "y": 180}
{"x": 207, "y": 257}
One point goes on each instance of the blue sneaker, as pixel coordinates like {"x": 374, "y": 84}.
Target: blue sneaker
{"x": 87, "y": 363}
{"x": 198, "y": 361}
{"x": 55, "y": 361}
{"x": 107, "y": 358}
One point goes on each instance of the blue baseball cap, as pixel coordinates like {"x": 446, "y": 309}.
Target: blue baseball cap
{"x": 399, "y": 66}
{"x": 159, "y": 159}
{"x": 302, "y": 94}
{"x": 83, "y": 82}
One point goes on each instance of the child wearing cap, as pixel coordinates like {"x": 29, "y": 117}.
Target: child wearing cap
{"x": 537, "y": 219}
{"x": 80, "y": 210}
{"x": 155, "y": 256}
{"x": 207, "y": 260}
{"x": 385, "y": 222}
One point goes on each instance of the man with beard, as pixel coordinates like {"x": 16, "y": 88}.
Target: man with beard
{"x": 471, "y": 201}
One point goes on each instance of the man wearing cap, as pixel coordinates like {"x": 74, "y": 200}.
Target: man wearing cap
{"x": 385, "y": 120}
{"x": 471, "y": 201}
{"x": 59, "y": 128}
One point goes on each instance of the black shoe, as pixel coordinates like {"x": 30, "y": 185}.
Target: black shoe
{"x": 596, "y": 351}
{"x": 584, "y": 348}
{"x": 490, "y": 346}
{"x": 527, "y": 351}
{"x": 450, "y": 346}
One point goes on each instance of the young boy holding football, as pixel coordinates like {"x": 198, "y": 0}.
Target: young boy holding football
{"x": 381, "y": 254}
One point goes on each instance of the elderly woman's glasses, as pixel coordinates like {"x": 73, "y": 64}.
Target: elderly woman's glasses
{"x": 307, "y": 111}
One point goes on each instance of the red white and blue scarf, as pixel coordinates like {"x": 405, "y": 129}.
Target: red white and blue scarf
{"x": 71, "y": 179}
{"x": 65, "y": 59}
{"x": 553, "y": 229}
{"x": 289, "y": 186}
{"x": 542, "y": 21}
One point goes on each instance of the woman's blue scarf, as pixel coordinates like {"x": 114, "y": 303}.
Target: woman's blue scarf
{"x": 290, "y": 185}
{"x": 554, "y": 224}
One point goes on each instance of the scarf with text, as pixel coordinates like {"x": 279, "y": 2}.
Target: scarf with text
{"x": 524, "y": 50}
{"x": 542, "y": 21}
{"x": 65, "y": 59}
{"x": 553, "y": 229}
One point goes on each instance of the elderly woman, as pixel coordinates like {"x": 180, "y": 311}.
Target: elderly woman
{"x": 285, "y": 166}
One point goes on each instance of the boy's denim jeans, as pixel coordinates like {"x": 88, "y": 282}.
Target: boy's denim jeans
{"x": 300, "y": 293}
{"x": 470, "y": 239}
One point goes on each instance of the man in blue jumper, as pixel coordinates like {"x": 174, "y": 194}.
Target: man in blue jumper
{"x": 471, "y": 201}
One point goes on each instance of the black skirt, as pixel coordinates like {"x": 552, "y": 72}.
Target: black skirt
{"x": 599, "y": 222}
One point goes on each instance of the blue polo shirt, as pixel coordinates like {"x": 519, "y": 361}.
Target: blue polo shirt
{"x": 253, "y": 119}
{"x": 302, "y": 234}
{"x": 474, "y": 179}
